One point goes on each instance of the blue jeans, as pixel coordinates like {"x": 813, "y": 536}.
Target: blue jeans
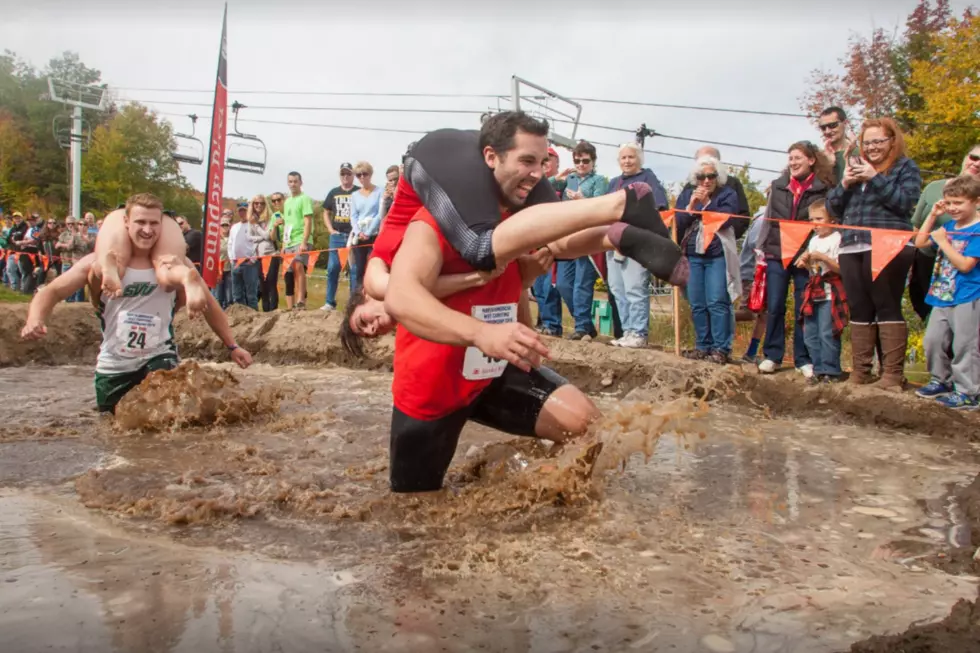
{"x": 222, "y": 290}
{"x": 78, "y": 295}
{"x": 576, "y": 285}
{"x": 358, "y": 262}
{"x": 12, "y": 274}
{"x": 821, "y": 343}
{"x": 549, "y": 303}
{"x": 629, "y": 283}
{"x": 337, "y": 241}
{"x": 711, "y": 307}
{"x": 245, "y": 279}
{"x": 777, "y": 287}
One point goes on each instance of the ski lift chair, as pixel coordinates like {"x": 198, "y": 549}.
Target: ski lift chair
{"x": 246, "y": 153}
{"x": 189, "y": 149}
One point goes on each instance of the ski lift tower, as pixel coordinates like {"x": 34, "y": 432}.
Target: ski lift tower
{"x": 78, "y": 96}
{"x": 548, "y": 104}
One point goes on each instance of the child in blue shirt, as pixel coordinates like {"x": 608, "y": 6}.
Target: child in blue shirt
{"x": 954, "y": 294}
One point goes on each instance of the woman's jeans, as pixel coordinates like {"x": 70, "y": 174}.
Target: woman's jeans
{"x": 245, "y": 279}
{"x": 711, "y": 306}
{"x": 777, "y": 288}
{"x": 629, "y": 283}
{"x": 78, "y": 295}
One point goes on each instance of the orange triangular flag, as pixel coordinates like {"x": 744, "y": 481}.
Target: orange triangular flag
{"x": 44, "y": 261}
{"x": 312, "y": 262}
{"x": 266, "y": 264}
{"x": 885, "y": 245}
{"x": 221, "y": 267}
{"x": 792, "y": 235}
{"x": 342, "y": 255}
{"x": 668, "y": 217}
{"x": 16, "y": 256}
{"x": 287, "y": 263}
{"x": 710, "y": 222}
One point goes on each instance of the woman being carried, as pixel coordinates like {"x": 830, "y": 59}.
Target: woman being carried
{"x": 113, "y": 249}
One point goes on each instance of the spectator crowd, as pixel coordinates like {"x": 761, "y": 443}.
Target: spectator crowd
{"x": 740, "y": 267}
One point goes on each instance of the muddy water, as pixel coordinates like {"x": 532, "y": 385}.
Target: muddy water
{"x": 279, "y": 534}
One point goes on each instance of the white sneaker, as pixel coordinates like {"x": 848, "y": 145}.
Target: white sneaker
{"x": 768, "y": 367}
{"x": 806, "y": 371}
{"x": 634, "y": 341}
{"x": 618, "y": 342}
{"x": 327, "y": 308}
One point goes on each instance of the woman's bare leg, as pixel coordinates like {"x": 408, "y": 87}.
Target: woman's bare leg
{"x": 173, "y": 271}
{"x": 113, "y": 250}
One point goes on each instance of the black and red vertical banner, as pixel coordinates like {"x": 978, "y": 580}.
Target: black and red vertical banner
{"x": 211, "y": 224}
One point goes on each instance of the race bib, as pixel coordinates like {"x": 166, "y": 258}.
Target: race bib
{"x": 138, "y": 333}
{"x": 477, "y": 366}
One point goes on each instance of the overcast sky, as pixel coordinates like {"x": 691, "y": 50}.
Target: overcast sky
{"x": 735, "y": 54}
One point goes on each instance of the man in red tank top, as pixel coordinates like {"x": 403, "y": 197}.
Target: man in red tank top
{"x": 468, "y": 356}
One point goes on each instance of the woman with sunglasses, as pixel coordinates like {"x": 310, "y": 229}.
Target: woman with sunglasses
{"x": 921, "y": 276}
{"x": 808, "y": 178}
{"x": 714, "y": 280}
{"x": 365, "y": 220}
{"x": 260, "y": 235}
{"x": 880, "y": 189}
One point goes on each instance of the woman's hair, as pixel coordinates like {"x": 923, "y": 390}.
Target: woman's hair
{"x": 585, "y": 147}
{"x": 822, "y": 168}
{"x": 265, "y": 215}
{"x": 705, "y": 161}
{"x": 363, "y": 166}
{"x": 636, "y": 150}
{"x": 351, "y": 342}
{"x": 892, "y": 130}
{"x": 966, "y": 157}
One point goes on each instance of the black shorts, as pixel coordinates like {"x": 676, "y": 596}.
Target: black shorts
{"x": 420, "y": 451}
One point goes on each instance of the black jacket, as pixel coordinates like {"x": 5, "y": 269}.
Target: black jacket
{"x": 781, "y": 208}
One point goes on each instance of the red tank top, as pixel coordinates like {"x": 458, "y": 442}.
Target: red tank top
{"x": 432, "y": 380}
{"x": 393, "y": 227}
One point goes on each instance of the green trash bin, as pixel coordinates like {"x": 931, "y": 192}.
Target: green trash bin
{"x": 602, "y": 316}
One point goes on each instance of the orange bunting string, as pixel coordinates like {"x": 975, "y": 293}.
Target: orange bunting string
{"x": 792, "y": 235}
{"x": 312, "y": 262}
{"x": 885, "y": 245}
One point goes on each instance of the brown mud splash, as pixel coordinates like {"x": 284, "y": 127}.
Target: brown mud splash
{"x": 191, "y": 395}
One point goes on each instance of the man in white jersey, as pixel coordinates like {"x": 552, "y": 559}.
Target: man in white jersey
{"x": 137, "y": 327}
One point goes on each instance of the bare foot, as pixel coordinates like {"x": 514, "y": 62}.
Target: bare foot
{"x": 111, "y": 281}
{"x": 197, "y": 293}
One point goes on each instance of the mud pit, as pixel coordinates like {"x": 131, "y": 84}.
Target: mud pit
{"x": 769, "y": 534}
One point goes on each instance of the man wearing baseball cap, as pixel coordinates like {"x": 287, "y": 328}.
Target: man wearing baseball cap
{"x": 336, "y": 218}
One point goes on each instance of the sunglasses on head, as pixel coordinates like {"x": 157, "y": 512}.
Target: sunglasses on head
{"x": 581, "y": 161}
{"x": 827, "y": 126}
{"x": 711, "y": 175}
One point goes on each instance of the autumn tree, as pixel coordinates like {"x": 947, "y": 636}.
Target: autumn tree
{"x": 753, "y": 193}
{"x": 17, "y": 166}
{"x": 947, "y": 90}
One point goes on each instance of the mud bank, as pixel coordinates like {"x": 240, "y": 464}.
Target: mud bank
{"x": 310, "y": 338}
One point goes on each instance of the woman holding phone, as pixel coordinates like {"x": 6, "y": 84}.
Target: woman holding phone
{"x": 879, "y": 189}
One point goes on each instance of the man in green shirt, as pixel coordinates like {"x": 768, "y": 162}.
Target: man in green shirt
{"x": 296, "y": 239}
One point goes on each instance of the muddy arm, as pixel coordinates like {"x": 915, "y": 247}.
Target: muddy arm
{"x": 218, "y": 321}
{"x": 57, "y": 291}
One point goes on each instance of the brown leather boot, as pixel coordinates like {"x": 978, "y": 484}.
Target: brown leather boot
{"x": 894, "y": 340}
{"x": 863, "y": 338}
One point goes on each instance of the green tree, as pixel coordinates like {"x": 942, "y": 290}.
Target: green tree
{"x": 947, "y": 88}
{"x": 756, "y": 197}
{"x": 131, "y": 154}
{"x": 17, "y": 165}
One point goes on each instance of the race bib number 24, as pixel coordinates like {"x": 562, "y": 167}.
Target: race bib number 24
{"x": 138, "y": 333}
{"x": 477, "y": 366}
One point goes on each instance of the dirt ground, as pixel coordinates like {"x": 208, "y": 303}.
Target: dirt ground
{"x": 310, "y": 338}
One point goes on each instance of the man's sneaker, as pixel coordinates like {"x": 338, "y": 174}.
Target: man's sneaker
{"x": 545, "y": 331}
{"x": 618, "y": 342}
{"x": 806, "y": 371}
{"x": 633, "y": 341}
{"x": 827, "y": 378}
{"x": 768, "y": 367}
{"x": 579, "y": 335}
{"x": 719, "y": 357}
{"x": 934, "y": 389}
{"x": 327, "y": 308}
{"x": 694, "y": 354}
{"x": 958, "y": 401}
